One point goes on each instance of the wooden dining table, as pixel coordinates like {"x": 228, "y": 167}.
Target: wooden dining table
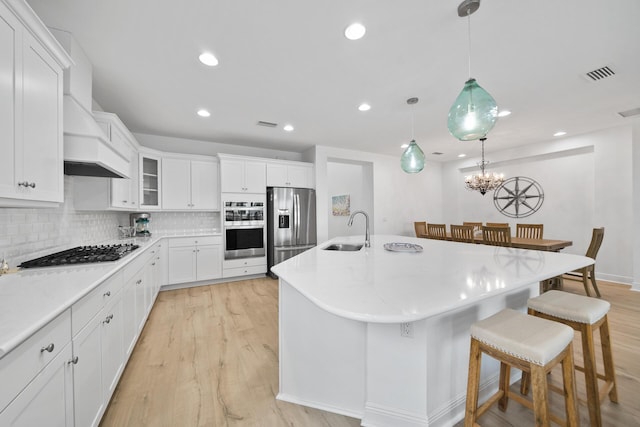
{"x": 552, "y": 245}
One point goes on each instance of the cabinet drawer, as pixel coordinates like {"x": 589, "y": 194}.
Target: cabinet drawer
{"x": 244, "y": 271}
{"x": 23, "y": 363}
{"x": 245, "y": 262}
{"x": 177, "y": 242}
{"x": 84, "y": 310}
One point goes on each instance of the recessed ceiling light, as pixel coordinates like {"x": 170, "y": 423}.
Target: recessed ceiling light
{"x": 504, "y": 113}
{"x": 355, "y": 31}
{"x": 204, "y": 113}
{"x": 208, "y": 59}
{"x": 404, "y": 145}
{"x": 560, "y": 133}
{"x": 288, "y": 128}
{"x": 461, "y": 155}
{"x": 364, "y": 107}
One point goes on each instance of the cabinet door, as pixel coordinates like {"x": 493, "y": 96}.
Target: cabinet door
{"x": 209, "y": 262}
{"x": 176, "y": 183}
{"x": 232, "y": 176}
{"x": 41, "y": 161}
{"x": 47, "y": 400}
{"x": 9, "y": 33}
{"x": 149, "y": 182}
{"x": 112, "y": 346}
{"x": 299, "y": 176}
{"x": 182, "y": 264}
{"x": 276, "y": 175}
{"x": 130, "y": 324}
{"x": 255, "y": 177}
{"x": 141, "y": 302}
{"x": 87, "y": 374}
{"x": 204, "y": 185}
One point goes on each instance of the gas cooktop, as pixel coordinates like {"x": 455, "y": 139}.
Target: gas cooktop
{"x": 82, "y": 255}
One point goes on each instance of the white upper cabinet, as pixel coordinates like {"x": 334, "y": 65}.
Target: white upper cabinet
{"x": 290, "y": 174}
{"x": 190, "y": 184}
{"x": 242, "y": 175}
{"x": 31, "y": 94}
{"x": 150, "y": 181}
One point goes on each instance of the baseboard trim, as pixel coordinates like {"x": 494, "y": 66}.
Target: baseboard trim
{"x": 210, "y": 282}
{"x": 323, "y": 407}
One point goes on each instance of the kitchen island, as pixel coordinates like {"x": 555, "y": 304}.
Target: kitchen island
{"x": 384, "y": 336}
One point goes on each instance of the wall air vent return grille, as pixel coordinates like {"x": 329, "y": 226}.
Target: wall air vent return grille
{"x": 600, "y": 73}
{"x": 437, "y": 153}
{"x": 267, "y": 124}
{"x": 629, "y": 113}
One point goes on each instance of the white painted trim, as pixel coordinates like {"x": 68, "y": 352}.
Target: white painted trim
{"x": 323, "y": 407}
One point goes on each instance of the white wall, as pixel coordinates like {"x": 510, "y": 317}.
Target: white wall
{"x": 636, "y": 203}
{"x": 399, "y": 198}
{"x": 587, "y": 180}
{"x": 348, "y": 179}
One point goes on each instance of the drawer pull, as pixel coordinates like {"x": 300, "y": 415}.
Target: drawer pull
{"x": 108, "y": 319}
{"x": 138, "y": 281}
{"x": 73, "y": 361}
{"x": 48, "y": 348}
{"x": 107, "y": 294}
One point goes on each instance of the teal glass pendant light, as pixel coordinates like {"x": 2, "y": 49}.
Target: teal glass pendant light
{"x": 412, "y": 160}
{"x": 474, "y": 112}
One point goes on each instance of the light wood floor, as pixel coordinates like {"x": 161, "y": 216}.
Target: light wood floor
{"x": 208, "y": 356}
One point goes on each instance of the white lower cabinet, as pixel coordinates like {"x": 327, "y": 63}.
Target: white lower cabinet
{"x": 245, "y": 266}
{"x": 193, "y": 259}
{"x": 65, "y": 374}
{"x": 47, "y": 400}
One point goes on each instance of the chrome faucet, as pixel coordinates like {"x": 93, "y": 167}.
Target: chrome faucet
{"x": 367, "y": 243}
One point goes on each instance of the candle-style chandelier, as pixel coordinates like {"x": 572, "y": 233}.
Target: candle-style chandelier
{"x": 485, "y": 181}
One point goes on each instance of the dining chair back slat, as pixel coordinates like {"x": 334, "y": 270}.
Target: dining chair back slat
{"x": 496, "y": 236}
{"x": 529, "y": 231}
{"x": 477, "y": 226}
{"x": 437, "y": 231}
{"x": 462, "y": 233}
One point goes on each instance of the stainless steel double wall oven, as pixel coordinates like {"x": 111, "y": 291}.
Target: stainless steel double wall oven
{"x": 244, "y": 225}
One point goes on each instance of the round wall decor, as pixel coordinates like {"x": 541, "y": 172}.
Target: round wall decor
{"x": 518, "y": 197}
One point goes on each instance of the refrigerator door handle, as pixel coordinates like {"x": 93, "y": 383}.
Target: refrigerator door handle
{"x": 296, "y": 198}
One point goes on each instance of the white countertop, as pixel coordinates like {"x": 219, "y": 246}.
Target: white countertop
{"x": 30, "y": 298}
{"x": 376, "y": 285}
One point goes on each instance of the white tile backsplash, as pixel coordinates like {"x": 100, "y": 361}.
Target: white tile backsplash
{"x": 30, "y": 233}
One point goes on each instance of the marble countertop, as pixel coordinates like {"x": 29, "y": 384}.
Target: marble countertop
{"x": 376, "y": 285}
{"x": 30, "y": 298}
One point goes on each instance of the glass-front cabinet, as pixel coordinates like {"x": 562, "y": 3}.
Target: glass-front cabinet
{"x": 150, "y": 180}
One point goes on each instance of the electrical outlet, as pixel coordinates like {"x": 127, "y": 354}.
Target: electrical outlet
{"x": 406, "y": 329}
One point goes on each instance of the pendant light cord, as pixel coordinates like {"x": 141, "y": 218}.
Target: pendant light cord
{"x": 469, "y": 35}
{"x": 483, "y": 162}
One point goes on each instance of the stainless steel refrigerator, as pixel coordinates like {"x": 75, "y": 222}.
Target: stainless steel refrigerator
{"x": 291, "y": 223}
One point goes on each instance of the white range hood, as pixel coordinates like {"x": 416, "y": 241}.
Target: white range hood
{"x": 87, "y": 150}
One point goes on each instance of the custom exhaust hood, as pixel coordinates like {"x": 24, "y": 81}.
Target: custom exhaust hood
{"x": 87, "y": 149}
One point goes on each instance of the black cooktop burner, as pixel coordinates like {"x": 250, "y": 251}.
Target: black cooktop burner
{"x": 82, "y": 255}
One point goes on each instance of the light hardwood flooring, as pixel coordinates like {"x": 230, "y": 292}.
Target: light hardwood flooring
{"x": 208, "y": 356}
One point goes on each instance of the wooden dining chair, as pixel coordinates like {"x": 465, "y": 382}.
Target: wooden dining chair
{"x": 462, "y": 233}
{"x": 437, "y": 231}
{"x": 421, "y": 228}
{"x": 497, "y": 224}
{"x": 496, "y": 236}
{"x": 589, "y": 272}
{"x": 477, "y": 226}
{"x": 529, "y": 231}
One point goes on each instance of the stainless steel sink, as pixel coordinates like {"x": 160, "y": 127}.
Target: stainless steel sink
{"x": 343, "y": 247}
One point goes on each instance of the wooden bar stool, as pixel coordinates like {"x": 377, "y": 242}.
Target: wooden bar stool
{"x": 585, "y": 315}
{"x": 531, "y": 344}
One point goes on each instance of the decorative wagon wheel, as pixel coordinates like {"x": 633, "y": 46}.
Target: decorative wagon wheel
{"x": 518, "y": 197}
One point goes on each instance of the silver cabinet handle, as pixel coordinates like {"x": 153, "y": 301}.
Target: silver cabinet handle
{"x": 73, "y": 361}
{"x": 124, "y": 201}
{"x": 153, "y": 263}
{"x": 107, "y": 294}
{"x": 138, "y": 281}
{"x": 27, "y": 184}
{"x": 48, "y": 348}
{"x": 108, "y": 319}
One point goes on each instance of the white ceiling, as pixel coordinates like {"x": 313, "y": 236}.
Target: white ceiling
{"x": 287, "y": 61}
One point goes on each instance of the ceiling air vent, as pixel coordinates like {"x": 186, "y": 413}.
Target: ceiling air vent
{"x": 437, "y": 153}
{"x": 267, "y": 124}
{"x": 600, "y": 74}
{"x": 629, "y": 113}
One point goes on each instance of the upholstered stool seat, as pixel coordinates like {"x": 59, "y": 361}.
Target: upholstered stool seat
{"x": 531, "y": 344}
{"x": 583, "y": 314}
